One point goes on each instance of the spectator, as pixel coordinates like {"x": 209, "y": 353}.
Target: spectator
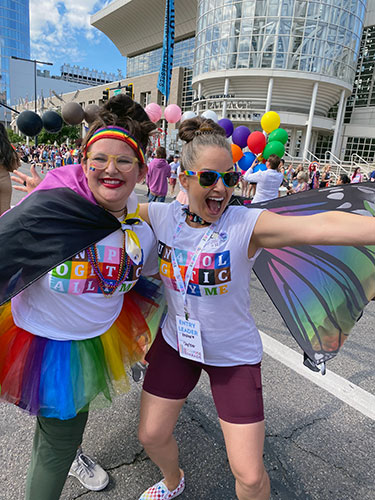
{"x": 325, "y": 178}
{"x": 173, "y": 178}
{"x": 302, "y": 179}
{"x": 343, "y": 179}
{"x": 314, "y": 175}
{"x": 9, "y": 161}
{"x": 157, "y": 176}
{"x": 356, "y": 176}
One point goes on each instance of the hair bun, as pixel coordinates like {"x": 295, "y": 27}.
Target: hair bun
{"x": 194, "y": 127}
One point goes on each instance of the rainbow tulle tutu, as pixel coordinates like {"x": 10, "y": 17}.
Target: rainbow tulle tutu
{"x": 59, "y": 379}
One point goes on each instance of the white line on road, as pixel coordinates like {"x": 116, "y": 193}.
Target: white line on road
{"x": 341, "y": 388}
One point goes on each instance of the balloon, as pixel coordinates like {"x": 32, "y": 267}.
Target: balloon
{"x": 260, "y": 166}
{"x": 29, "y": 123}
{"x": 52, "y": 122}
{"x": 274, "y": 148}
{"x": 270, "y": 121}
{"x": 73, "y": 113}
{"x": 154, "y": 111}
{"x": 91, "y": 112}
{"x": 227, "y": 125}
{"x": 210, "y": 115}
{"x": 236, "y": 153}
{"x": 188, "y": 115}
{"x": 246, "y": 161}
{"x": 240, "y": 136}
{"x": 172, "y": 113}
{"x": 280, "y": 135}
{"x": 256, "y": 142}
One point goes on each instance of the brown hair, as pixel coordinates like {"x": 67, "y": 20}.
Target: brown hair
{"x": 122, "y": 111}
{"x": 199, "y": 132}
{"x": 8, "y": 156}
{"x": 161, "y": 152}
{"x": 274, "y": 161}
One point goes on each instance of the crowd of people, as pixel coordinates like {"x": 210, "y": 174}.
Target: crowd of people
{"x": 69, "y": 333}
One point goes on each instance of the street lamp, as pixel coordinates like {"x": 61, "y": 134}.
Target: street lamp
{"x": 35, "y": 97}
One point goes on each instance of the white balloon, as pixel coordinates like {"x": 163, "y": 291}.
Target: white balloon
{"x": 187, "y": 116}
{"x": 210, "y": 115}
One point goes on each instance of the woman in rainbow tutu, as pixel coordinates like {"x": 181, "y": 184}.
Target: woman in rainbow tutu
{"x": 74, "y": 316}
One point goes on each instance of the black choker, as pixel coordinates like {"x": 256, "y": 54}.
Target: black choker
{"x": 195, "y": 218}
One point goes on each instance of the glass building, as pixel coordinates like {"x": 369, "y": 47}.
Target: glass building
{"x": 183, "y": 56}
{"x": 320, "y": 37}
{"x": 14, "y": 38}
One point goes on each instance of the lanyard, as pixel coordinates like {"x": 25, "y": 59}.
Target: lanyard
{"x": 181, "y": 284}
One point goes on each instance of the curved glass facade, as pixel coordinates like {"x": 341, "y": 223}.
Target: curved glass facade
{"x": 321, "y": 36}
{"x": 14, "y": 37}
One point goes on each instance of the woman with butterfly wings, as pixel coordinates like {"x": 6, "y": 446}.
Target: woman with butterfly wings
{"x": 206, "y": 252}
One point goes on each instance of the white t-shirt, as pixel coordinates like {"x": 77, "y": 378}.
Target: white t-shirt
{"x": 174, "y": 166}
{"x": 218, "y": 293}
{"x": 68, "y": 304}
{"x": 268, "y": 183}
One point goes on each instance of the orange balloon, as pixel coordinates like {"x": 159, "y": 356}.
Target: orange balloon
{"x": 236, "y": 153}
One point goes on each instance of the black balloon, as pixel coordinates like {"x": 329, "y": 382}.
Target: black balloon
{"x": 29, "y": 123}
{"x": 52, "y": 122}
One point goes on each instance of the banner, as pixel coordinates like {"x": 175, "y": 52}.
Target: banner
{"x": 165, "y": 73}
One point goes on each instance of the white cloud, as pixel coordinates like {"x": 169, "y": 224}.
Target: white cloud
{"x": 60, "y": 28}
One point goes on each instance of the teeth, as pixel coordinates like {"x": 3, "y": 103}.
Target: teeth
{"x": 215, "y": 199}
{"x": 108, "y": 181}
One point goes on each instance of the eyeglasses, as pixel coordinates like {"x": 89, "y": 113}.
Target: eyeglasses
{"x": 208, "y": 178}
{"x": 100, "y": 161}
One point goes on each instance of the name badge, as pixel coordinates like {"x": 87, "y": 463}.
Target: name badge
{"x": 189, "y": 339}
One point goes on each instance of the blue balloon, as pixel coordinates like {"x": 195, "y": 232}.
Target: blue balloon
{"x": 259, "y": 166}
{"x": 246, "y": 161}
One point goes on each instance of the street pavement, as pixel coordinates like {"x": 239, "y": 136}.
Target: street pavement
{"x": 316, "y": 448}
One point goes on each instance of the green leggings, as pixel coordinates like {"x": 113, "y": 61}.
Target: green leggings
{"x": 54, "y": 449}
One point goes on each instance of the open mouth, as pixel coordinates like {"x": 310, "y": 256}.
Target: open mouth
{"x": 111, "y": 183}
{"x": 214, "y": 204}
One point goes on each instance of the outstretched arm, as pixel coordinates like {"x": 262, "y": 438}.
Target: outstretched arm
{"x": 27, "y": 182}
{"x": 327, "y": 228}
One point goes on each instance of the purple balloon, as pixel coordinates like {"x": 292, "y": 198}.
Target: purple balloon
{"x": 227, "y": 125}
{"x": 240, "y": 136}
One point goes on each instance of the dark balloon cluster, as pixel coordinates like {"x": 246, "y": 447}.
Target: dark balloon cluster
{"x": 31, "y": 124}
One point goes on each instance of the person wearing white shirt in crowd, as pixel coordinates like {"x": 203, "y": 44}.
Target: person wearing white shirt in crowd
{"x": 173, "y": 178}
{"x": 268, "y": 181}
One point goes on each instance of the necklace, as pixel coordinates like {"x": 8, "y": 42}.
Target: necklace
{"x": 109, "y": 286}
{"x": 194, "y": 217}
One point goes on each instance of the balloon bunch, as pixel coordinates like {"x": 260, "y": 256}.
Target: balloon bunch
{"x": 173, "y": 113}
{"x": 259, "y": 145}
{"x": 31, "y": 124}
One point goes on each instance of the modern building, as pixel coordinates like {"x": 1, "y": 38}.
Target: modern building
{"x": 14, "y": 40}
{"x": 74, "y": 73}
{"x": 299, "y": 58}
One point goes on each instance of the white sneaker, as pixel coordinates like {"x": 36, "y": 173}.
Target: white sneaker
{"x": 88, "y": 472}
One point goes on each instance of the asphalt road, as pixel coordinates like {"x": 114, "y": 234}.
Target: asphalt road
{"x": 317, "y": 447}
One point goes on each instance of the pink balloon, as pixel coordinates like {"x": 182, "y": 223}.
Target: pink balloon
{"x": 154, "y": 111}
{"x": 172, "y": 113}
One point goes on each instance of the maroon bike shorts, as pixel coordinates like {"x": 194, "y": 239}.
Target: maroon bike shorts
{"x": 236, "y": 390}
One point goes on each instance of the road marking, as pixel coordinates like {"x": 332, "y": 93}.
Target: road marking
{"x": 346, "y": 391}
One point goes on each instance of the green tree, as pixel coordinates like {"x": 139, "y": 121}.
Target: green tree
{"x": 13, "y": 137}
{"x": 71, "y": 132}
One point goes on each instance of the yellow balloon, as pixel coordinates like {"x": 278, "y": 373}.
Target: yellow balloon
{"x": 270, "y": 121}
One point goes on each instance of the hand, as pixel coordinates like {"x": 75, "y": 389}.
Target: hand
{"x": 27, "y": 182}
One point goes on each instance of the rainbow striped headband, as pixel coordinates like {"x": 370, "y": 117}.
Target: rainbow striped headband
{"x": 119, "y": 133}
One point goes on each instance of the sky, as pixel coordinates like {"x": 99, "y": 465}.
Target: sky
{"x": 60, "y": 32}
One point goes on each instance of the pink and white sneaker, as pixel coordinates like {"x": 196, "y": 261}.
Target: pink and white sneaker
{"x": 160, "y": 492}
